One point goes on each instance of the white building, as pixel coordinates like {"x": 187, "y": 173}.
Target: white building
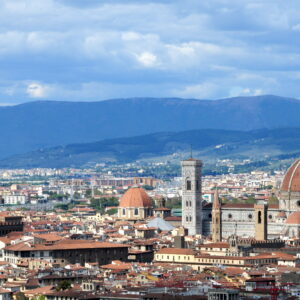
{"x": 15, "y": 199}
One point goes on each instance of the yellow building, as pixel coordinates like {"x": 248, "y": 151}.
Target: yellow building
{"x": 200, "y": 261}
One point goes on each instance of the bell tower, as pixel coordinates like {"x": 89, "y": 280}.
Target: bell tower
{"x": 216, "y": 218}
{"x": 192, "y": 196}
{"x": 261, "y": 221}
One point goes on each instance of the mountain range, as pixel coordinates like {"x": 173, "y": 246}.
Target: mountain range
{"x": 43, "y": 124}
{"x": 207, "y": 143}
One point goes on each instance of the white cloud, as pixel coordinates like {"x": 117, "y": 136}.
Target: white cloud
{"x": 203, "y": 90}
{"x": 191, "y": 48}
{"x": 37, "y": 90}
{"x": 131, "y": 36}
{"x": 240, "y": 91}
{"x": 147, "y": 59}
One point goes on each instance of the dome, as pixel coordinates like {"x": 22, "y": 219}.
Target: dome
{"x": 291, "y": 180}
{"x": 135, "y": 197}
{"x": 293, "y": 218}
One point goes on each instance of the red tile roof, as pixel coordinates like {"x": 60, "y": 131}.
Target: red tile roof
{"x": 135, "y": 197}
{"x": 176, "y": 251}
{"x": 291, "y": 180}
{"x": 65, "y": 245}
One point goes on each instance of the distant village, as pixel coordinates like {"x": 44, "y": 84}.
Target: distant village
{"x": 84, "y": 234}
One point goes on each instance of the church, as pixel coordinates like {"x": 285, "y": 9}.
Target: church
{"x": 259, "y": 220}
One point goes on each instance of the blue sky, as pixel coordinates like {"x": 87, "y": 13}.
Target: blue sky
{"x": 93, "y": 50}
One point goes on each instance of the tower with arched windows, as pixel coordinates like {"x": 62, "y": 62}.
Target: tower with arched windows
{"x": 216, "y": 218}
{"x": 261, "y": 221}
{"x": 191, "y": 195}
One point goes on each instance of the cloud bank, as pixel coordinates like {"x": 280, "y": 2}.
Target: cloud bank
{"x": 94, "y": 50}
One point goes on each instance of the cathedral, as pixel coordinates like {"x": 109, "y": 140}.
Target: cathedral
{"x": 259, "y": 220}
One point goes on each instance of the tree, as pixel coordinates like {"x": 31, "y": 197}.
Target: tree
{"x": 112, "y": 211}
{"x": 174, "y": 202}
{"x": 41, "y": 297}
{"x": 62, "y": 206}
{"x": 63, "y": 285}
{"x": 20, "y": 296}
{"x": 101, "y": 203}
{"x": 76, "y": 195}
{"x": 251, "y": 200}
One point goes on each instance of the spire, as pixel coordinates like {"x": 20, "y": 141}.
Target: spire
{"x": 216, "y": 203}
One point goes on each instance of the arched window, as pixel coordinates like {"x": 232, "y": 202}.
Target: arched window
{"x": 187, "y": 218}
{"x": 136, "y": 211}
{"x": 188, "y": 185}
{"x": 124, "y": 211}
{"x": 259, "y": 217}
{"x": 190, "y": 218}
{"x": 187, "y": 203}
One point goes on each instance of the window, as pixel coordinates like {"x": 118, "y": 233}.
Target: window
{"x": 190, "y": 218}
{"x": 250, "y": 216}
{"x": 197, "y": 185}
{"x": 259, "y": 217}
{"x": 229, "y": 216}
{"x": 136, "y": 211}
{"x": 188, "y": 185}
{"x": 187, "y": 218}
{"x": 124, "y": 211}
{"x": 187, "y": 203}
{"x": 270, "y": 217}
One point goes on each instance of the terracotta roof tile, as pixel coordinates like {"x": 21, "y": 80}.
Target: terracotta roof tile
{"x": 176, "y": 251}
{"x": 291, "y": 180}
{"x": 135, "y": 197}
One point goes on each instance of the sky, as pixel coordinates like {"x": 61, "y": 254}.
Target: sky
{"x": 90, "y": 50}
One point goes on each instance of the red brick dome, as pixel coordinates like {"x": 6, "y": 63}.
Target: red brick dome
{"x": 293, "y": 218}
{"x": 291, "y": 180}
{"x": 135, "y": 197}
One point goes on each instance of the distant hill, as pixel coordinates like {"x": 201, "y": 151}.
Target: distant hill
{"x": 207, "y": 143}
{"x": 36, "y": 125}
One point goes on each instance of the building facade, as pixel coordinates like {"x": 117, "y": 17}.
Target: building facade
{"x": 10, "y": 223}
{"x": 67, "y": 252}
{"x": 222, "y": 220}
